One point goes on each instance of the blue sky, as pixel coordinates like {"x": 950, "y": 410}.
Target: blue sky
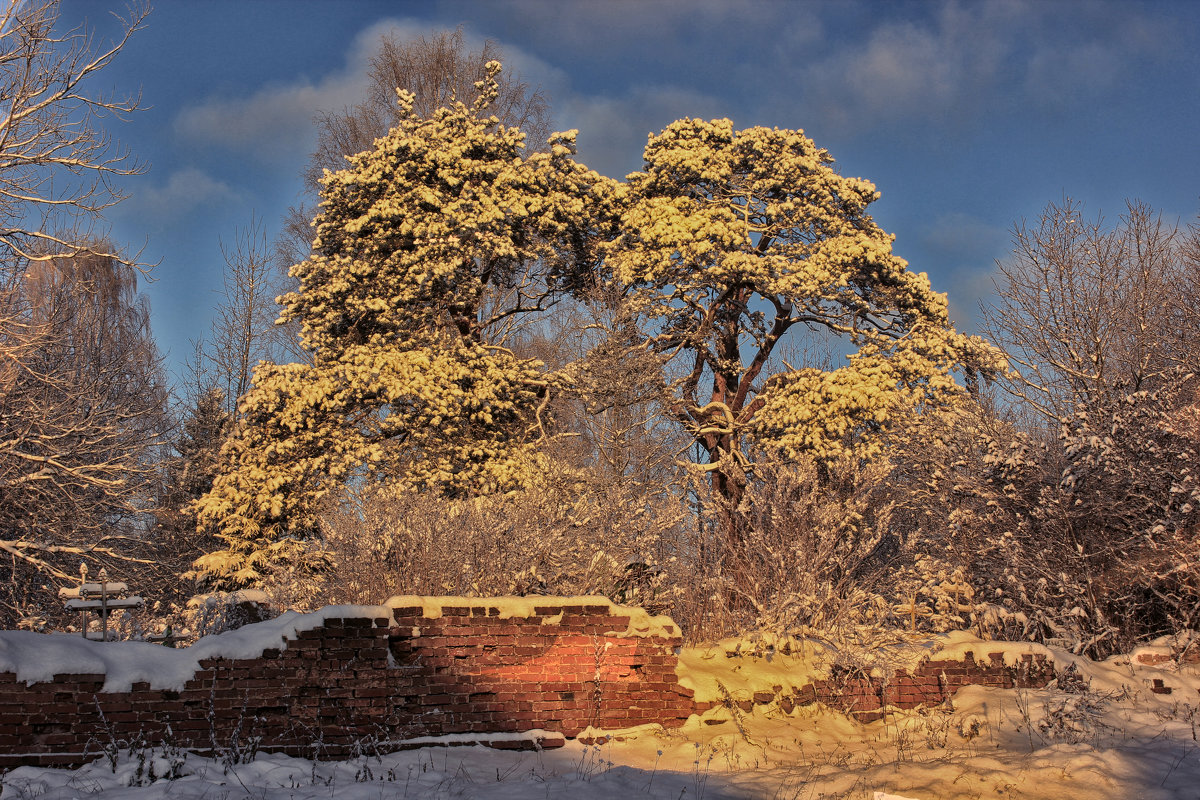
{"x": 968, "y": 116}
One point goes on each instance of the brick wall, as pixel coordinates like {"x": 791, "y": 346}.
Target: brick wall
{"x": 349, "y": 683}
{"x": 434, "y": 666}
{"x": 930, "y": 683}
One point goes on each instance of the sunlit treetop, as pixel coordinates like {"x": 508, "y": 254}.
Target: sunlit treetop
{"x": 413, "y": 233}
{"x": 731, "y": 238}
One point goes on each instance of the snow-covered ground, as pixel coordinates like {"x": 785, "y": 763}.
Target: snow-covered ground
{"x": 1103, "y": 734}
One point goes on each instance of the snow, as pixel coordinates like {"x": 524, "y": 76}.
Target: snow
{"x": 955, "y": 645}
{"x": 641, "y": 623}
{"x": 36, "y": 657}
{"x": 739, "y": 668}
{"x": 240, "y": 596}
{"x": 1106, "y": 735}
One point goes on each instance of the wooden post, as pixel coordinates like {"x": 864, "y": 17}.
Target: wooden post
{"x": 83, "y": 570}
{"x": 103, "y": 604}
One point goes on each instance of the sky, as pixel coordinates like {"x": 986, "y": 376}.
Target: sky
{"x": 968, "y": 116}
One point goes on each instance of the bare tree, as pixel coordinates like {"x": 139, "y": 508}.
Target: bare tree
{"x": 1084, "y": 310}
{"x": 614, "y": 411}
{"x": 1092, "y": 536}
{"x": 243, "y": 329}
{"x": 81, "y": 412}
{"x": 56, "y": 163}
{"x": 1184, "y": 297}
{"x": 81, "y": 395}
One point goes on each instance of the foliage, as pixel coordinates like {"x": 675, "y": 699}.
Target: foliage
{"x": 812, "y": 546}
{"x": 404, "y": 384}
{"x": 1088, "y": 530}
{"x": 506, "y": 350}
{"x": 823, "y": 554}
{"x": 188, "y": 468}
{"x": 729, "y": 240}
{"x": 438, "y": 70}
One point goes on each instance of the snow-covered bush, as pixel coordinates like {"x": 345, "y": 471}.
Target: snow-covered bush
{"x": 1087, "y": 540}
{"x": 217, "y": 612}
{"x": 1107, "y": 554}
{"x": 572, "y": 536}
{"x": 813, "y": 551}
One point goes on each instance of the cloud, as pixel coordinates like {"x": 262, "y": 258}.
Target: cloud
{"x": 909, "y": 68}
{"x": 184, "y": 191}
{"x": 613, "y": 130}
{"x": 956, "y": 63}
{"x": 275, "y": 123}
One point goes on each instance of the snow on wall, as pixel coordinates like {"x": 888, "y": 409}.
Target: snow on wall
{"x": 640, "y": 622}
{"x": 37, "y": 658}
{"x": 737, "y": 675}
{"x": 421, "y": 667}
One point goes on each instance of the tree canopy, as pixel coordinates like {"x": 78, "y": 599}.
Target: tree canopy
{"x": 731, "y": 239}
{"x": 423, "y": 245}
{"x": 429, "y": 243}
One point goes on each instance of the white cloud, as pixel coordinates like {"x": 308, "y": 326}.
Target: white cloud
{"x": 613, "y": 130}
{"x": 184, "y": 190}
{"x": 911, "y": 68}
{"x": 961, "y": 61}
{"x": 275, "y": 123}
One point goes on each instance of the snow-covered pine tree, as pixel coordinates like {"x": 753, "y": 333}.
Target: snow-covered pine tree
{"x": 424, "y": 245}
{"x": 732, "y": 239}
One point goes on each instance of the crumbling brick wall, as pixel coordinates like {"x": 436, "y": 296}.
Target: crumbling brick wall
{"x": 930, "y": 683}
{"x": 432, "y": 667}
{"x": 428, "y": 670}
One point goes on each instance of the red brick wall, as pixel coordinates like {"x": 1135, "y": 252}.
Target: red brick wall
{"x": 370, "y": 682}
{"x": 354, "y": 684}
{"x": 865, "y": 697}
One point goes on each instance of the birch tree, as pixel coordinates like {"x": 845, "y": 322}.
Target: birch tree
{"x": 81, "y": 395}
{"x": 83, "y": 404}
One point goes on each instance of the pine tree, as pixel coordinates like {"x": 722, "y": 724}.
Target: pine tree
{"x": 424, "y": 245}
{"x": 729, "y": 241}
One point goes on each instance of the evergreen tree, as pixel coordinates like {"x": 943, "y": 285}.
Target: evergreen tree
{"x": 424, "y": 244}
{"x": 732, "y": 239}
